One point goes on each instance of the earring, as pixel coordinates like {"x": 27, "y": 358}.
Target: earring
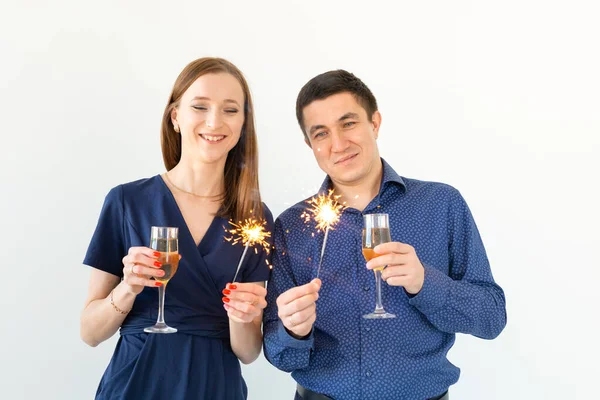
{"x": 176, "y": 128}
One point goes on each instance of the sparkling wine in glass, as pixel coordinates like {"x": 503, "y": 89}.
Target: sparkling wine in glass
{"x": 164, "y": 240}
{"x": 376, "y": 231}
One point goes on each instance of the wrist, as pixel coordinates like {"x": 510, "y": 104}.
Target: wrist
{"x": 124, "y": 293}
{"x": 298, "y": 336}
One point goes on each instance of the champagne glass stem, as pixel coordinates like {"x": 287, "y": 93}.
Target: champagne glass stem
{"x": 378, "y": 306}
{"x": 161, "y": 304}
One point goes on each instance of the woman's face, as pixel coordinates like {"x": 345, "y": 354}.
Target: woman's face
{"x": 210, "y": 117}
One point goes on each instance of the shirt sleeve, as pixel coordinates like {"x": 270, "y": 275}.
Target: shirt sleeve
{"x": 258, "y": 269}
{"x": 107, "y": 247}
{"x": 468, "y": 300}
{"x": 281, "y": 349}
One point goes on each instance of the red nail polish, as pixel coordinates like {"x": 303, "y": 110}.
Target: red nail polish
{"x": 226, "y": 299}
{"x": 157, "y": 264}
{"x": 232, "y": 287}
{"x": 226, "y": 291}
{"x": 158, "y": 284}
{"x": 156, "y": 254}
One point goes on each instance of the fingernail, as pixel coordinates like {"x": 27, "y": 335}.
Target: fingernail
{"x": 156, "y": 254}
{"x": 232, "y": 287}
{"x": 226, "y": 291}
{"x": 157, "y": 264}
{"x": 158, "y": 284}
{"x": 226, "y": 299}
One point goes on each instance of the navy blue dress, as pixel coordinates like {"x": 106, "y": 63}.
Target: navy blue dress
{"x": 197, "y": 362}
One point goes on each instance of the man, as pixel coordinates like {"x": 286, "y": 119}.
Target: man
{"x": 437, "y": 279}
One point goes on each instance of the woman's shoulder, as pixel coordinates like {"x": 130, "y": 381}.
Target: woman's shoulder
{"x": 267, "y": 214}
{"x": 141, "y": 188}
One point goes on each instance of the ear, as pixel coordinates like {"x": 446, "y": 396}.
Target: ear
{"x": 376, "y": 121}
{"x": 174, "y": 116}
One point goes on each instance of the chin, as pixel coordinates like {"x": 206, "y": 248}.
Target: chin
{"x": 212, "y": 158}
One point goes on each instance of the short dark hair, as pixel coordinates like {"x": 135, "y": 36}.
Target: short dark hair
{"x": 330, "y": 83}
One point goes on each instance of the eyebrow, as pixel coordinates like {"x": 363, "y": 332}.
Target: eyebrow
{"x": 348, "y": 115}
{"x": 224, "y": 101}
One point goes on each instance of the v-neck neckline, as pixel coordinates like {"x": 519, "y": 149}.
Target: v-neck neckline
{"x": 210, "y": 228}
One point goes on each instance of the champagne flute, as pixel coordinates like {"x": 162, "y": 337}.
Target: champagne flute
{"x": 164, "y": 240}
{"x": 376, "y": 231}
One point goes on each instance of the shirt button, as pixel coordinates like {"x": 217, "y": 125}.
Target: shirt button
{"x": 368, "y": 329}
{"x": 366, "y": 288}
{"x": 368, "y": 374}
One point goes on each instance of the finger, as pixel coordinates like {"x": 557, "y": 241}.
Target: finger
{"x": 396, "y": 270}
{"x": 134, "y": 280}
{"x": 306, "y": 326}
{"x": 298, "y": 305}
{"x": 394, "y": 247}
{"x": 398, "y": 280}
{"x": 388, "y": 259}
{"x": 246, "y": 297}
{"x": 296, "y": 322}
{"x": 143, "y": 259}
{"x": 251, "y": 288}
{"x": 298, "y": 292}
{"x": 305, "y": 315}
{"x": 236, "y": 315}
{"x": 141, "y": 270}
{"x": 143, "y": 250}
{"x": 304, "y": 302}
{"x": 242, "y": 307}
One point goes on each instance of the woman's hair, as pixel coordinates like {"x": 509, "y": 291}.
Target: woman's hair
{"x": 241, "y": 199}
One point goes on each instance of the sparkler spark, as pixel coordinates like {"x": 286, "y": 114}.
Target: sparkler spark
{"x": 326, "y": 212}
{"x": 250, "y": 233}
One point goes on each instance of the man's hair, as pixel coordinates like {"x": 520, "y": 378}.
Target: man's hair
{"x": 330, "y": 83}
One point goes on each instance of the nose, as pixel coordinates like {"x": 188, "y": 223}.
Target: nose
{"x": 339, "y": 143}
{"x": 213, "y": 119}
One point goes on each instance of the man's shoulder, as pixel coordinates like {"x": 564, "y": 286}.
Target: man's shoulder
{"x": 421, "y": 187}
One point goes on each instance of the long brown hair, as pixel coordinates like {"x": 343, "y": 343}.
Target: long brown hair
{"x": 242, "y": 196}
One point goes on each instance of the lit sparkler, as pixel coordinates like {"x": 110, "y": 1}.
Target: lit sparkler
{"x": 251, "y": 232}
{"x": 326, "y": 212}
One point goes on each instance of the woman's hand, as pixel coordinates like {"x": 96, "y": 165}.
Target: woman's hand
{"x": 244, "y": 301}
{"x": 140, "y": 264}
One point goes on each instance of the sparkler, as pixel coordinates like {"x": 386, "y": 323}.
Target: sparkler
{"x": 326, "y": 211}
{"x": 251, "y": 232}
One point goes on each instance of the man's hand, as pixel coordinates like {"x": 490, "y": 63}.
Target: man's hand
{"x": 403, "y": 266}
{"x": 297, "y": 308}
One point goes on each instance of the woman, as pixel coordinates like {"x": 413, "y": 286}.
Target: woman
{"x": 210, "y": 152}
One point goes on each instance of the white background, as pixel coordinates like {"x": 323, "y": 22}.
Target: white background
{"x": 500, "y": 99}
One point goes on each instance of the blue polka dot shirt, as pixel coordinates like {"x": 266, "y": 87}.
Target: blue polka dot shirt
{"x": 349, "y": 357}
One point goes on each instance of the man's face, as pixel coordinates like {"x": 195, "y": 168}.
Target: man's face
{"x": 342, "y": 138}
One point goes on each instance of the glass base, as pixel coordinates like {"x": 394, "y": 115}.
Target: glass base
{"x": 160, "y": 328}
{"x": 379, "y": 315}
